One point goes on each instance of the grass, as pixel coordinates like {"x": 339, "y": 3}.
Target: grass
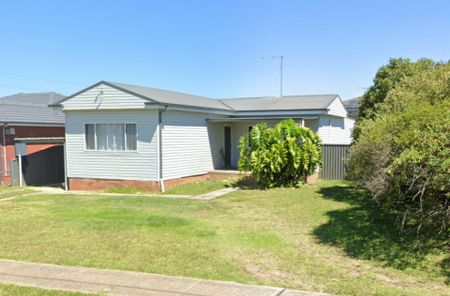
{"x": 325, "y": 237}
{"x": 201, "y": 187}
{"x": 195, "y": 188}
{"x": 8, "y": 191}
{"x": 11, "y": 290}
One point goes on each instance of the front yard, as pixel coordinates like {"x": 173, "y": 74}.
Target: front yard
{"x": 11, "y": 290}
{"x": 321, "y": 238}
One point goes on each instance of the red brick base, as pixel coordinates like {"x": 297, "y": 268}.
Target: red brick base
{"x": 102, "y": 184}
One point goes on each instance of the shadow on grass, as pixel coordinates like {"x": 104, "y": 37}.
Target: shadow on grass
{"x": 365, "y": 231}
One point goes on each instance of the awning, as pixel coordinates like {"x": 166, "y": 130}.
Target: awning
{"x": 40, "y": 140}
{"x": 255, "y": 118}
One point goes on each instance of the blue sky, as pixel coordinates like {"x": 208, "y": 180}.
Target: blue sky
{"x": 214, "y": 48}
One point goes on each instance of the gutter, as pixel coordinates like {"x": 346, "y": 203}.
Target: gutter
{"x": 160, "y": 149}
{"x": 4, "y": 149}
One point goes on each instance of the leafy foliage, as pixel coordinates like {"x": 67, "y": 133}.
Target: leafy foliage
{"x": 386, "y": 79}
{"x": 402, "y": 155}
{"x": 280, "y": 156}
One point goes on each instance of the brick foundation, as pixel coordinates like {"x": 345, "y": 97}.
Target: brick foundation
{"x": 102, "y": 184}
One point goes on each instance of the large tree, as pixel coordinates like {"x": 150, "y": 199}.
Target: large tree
{"x": 402, "y": 155}
{"x": 387, "y": 77}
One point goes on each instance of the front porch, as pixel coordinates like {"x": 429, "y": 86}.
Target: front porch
{"x": 225, "y": 133}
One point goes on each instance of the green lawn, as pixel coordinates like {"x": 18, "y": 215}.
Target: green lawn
{"x": 10, "y": 290}
{"x": 201, "y": 187}
{"x": 8, "y": 191}
{"x": 324, "y": 237}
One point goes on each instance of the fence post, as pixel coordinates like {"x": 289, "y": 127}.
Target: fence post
{"x": 20, "y": 170}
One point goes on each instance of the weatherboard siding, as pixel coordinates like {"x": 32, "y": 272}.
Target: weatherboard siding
{"x": 337, "y": 108}
{"x": 335, "y": 130}
{"x": 119, "y": 165}
{"x": 103, "y": 97}
{"x": 186, "y": 144}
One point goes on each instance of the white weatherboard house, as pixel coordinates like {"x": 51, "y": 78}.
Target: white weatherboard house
{"x": 126, "y": 135}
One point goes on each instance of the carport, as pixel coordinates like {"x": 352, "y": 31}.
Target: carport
{"x": 38, "y": 162}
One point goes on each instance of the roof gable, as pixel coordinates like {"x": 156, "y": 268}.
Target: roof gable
{"x": 103, "y": 95}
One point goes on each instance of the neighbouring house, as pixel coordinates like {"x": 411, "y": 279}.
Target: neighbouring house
{"x": 352, "y": 107}
{"x": 29, "y": 124}
{"x": 126, "y": 135}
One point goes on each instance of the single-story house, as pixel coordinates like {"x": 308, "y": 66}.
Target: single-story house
{"x": 26, "y": 121}
{"x": 127, "y": 135}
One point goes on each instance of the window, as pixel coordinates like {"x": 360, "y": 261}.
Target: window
{"x": 249, "y": 129}
{"x": 111, "y": 136}
{"x": 10, "y": 131}
{"x": 89, "y": 132}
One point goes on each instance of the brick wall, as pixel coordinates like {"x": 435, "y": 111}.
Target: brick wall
{"x": 102, "y": 184}
{"x": 87, "y": 184}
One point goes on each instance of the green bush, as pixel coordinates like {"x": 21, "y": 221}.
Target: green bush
{"x": 402, "y": 155}
{"x": 280, "y": 156}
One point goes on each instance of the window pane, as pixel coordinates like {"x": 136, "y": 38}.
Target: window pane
{"x": 102, "y": 138}
{"x": 116, "y": 137}
{"x": 131, "y": 137}
{"x": 89, "y": 135}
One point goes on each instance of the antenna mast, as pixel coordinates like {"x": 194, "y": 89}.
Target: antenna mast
{"x": 281, "y": 72}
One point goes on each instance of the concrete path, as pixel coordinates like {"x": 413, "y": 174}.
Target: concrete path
{"x": 216, "y": 194}
{"x": 205, "y": 196}
{"x": 120, "y": 283}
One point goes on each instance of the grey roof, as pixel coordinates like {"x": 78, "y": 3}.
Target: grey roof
{"x": 31, "y": 108}
{"x": 307, "y": 102}
{"x": 352, "y": 103}
{"x": 171, "y": 97}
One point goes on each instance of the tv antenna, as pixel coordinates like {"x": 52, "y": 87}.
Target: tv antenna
{"x": 281, "y": 72}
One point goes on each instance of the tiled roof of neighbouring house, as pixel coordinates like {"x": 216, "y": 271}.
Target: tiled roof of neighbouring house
{"x": 352, "y": 103}
{"x": 31, "y": 108}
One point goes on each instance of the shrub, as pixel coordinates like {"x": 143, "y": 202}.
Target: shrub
{"x": 280, "y": 156}
{"x": 402, "y": 156}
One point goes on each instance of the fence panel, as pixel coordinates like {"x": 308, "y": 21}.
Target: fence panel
{"x": 334, "y": 157}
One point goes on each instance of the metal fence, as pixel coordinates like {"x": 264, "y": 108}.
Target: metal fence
{"x": 334, "y": 157}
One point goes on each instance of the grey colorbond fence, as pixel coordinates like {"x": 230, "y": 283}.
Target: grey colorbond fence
{"x": 334, "y": 157}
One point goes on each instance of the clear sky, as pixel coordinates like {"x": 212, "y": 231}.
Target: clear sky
{"x": 214, "y": 48}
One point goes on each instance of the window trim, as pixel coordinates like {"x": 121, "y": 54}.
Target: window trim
{"x": 110, "y": 151}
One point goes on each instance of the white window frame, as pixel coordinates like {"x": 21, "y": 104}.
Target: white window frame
{"x": 111, "y": 151}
